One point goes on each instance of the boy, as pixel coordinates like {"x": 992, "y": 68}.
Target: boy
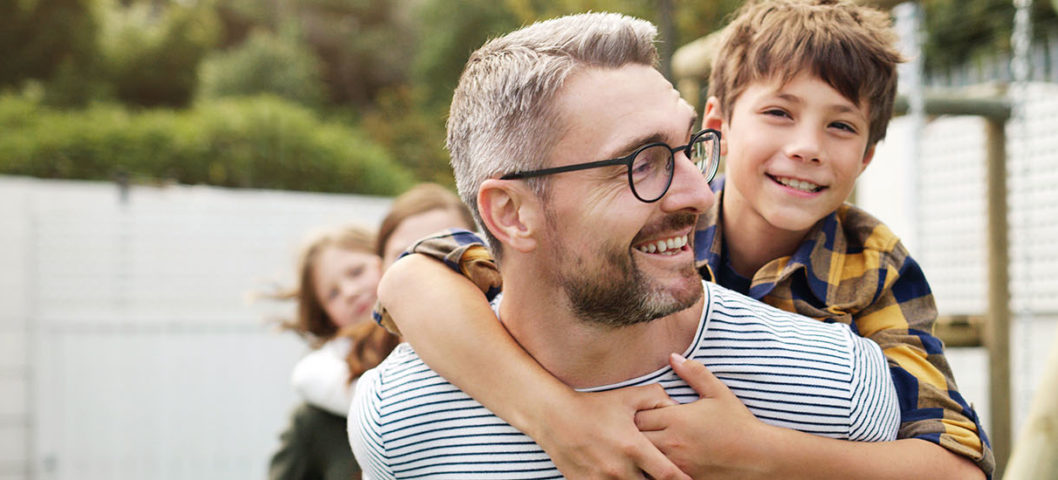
{"x": 801, "y": 91}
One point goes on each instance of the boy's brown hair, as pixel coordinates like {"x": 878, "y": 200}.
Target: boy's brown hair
{"x": 850, "y": 47}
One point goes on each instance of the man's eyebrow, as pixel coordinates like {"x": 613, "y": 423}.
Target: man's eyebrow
{"x": 630, "y": 146}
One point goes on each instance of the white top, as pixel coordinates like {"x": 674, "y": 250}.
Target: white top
{"x": 790, "y": 371}
{"x": 321, "y": 377}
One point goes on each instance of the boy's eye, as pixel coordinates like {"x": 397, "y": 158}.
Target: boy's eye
{"x": 844, "y": 126}
{"x": 776, "y": 112}
{"x": 355, "y": 271}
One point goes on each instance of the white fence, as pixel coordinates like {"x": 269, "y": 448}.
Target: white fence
{"x": 937, "y": 205}
{"x": 127, "y": 348}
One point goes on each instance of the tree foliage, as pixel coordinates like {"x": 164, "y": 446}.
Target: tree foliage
{"x": 261, "y": 142}
{"x": 264, "y": 63}
{"x": 961, "y": 31}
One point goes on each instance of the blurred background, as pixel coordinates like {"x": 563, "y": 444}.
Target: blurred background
{"x": 160, "y": 160}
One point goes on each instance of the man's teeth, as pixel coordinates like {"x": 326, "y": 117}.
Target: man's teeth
{"x": 660, "y": 246}
{"x": 798, "y": 184}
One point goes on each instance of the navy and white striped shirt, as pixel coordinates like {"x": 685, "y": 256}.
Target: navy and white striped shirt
{"x": 406, "y": 421}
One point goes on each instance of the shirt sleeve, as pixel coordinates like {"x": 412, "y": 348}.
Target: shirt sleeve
{"x": 364, "y": 427}
{"x": 900, "y": 320}
{"x": 460, "y": 250}
{"x": 875, "y": 412}
{"x": 321, "y": 378}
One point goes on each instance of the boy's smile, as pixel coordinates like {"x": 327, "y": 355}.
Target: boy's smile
{"x": 794, "y": 151}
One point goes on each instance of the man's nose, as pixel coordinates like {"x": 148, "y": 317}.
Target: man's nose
{"x": 689, "y": 191}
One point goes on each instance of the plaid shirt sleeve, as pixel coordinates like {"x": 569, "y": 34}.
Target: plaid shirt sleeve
{"x": 462, "y": 251}
{"x": 900, "y": 320}
{"x": 853, "y": 269}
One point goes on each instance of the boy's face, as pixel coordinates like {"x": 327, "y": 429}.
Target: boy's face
{"x": 793, "y": 150}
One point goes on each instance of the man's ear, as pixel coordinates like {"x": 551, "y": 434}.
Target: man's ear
{"x": 511, "y": 212}
{"x": 713, "y": 118}
{"x": 868, "y": 157}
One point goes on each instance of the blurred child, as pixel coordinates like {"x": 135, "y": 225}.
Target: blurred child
{"x": 338, "y": 273}
{"x": 802, "y": 91}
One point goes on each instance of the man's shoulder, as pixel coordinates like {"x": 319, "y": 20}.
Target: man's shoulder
{"x": 729, "y": 307}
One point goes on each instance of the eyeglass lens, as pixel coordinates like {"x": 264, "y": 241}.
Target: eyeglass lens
{"x": 652, "y": 169}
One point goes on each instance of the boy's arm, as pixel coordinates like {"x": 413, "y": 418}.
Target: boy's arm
{"x": 901, "y": 322}
{"x": 448, "y": 321}
{"x": 718, "y": 437}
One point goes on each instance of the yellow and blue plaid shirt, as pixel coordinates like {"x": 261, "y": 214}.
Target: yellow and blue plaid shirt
{"x": 851, "y": 269}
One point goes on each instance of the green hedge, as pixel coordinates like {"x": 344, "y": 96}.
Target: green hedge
{"x": 259, "y": 142}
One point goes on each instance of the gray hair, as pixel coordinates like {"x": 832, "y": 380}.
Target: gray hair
{"x": 502, "y": 118}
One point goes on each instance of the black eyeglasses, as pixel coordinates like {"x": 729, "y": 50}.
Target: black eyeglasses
{"x": 650, "y": 167}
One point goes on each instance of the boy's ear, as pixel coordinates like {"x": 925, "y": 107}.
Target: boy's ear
{"x": 867, "y": 158}
{"x": 511, "y": 212}
{"x": 714, "y": 118}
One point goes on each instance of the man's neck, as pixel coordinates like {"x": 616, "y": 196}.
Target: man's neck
{"x": 583, "y": 354}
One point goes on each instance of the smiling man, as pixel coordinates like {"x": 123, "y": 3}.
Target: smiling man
{"x": 584, "y": 167}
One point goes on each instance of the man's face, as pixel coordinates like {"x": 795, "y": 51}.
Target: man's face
{"x": 794, "y": 152}
{"x": 604, "y": 246}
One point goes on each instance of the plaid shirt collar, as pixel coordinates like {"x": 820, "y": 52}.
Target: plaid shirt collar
{"x": 815, "y": 254}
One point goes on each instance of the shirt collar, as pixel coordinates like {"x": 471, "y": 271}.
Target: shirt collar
{"x": 814, "y": 256}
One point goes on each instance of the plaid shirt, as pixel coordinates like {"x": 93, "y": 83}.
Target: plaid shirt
{"x": 852, "y": 269}
{"x": 849, "y": 269}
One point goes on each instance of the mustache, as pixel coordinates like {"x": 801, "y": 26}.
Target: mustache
{"x": 676, "y": 221}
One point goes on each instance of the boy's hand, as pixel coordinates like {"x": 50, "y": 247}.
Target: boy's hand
{"x": 713, "y": 437}
{"x": 594, "y": 436}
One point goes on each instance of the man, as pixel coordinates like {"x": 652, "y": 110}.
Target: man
{"x": 599, "y": 281}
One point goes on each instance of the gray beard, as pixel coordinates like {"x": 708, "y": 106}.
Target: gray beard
{"x": 620, "y": 295}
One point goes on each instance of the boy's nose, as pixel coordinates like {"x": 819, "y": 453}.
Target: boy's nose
{"x": 806, "y": 146}
{"x": 689, "y": 190}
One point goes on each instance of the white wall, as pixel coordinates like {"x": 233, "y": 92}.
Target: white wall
{"x": 127, "y": 346}
{"x": 945, "y": 226}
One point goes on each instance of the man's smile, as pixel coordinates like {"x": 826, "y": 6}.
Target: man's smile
{"x": 667, "y": 246}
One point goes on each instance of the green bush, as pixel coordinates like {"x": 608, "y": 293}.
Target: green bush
{"x": 260, "y": 142}
{"x": 264, "y": 63}
{"x": 152, "y": 56}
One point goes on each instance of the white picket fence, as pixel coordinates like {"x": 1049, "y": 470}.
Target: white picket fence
{"x": 127, "y": 347}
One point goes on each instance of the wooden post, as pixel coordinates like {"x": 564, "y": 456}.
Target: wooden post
{"x": 997, "y": 331}
{"x": 1035, "y": 455}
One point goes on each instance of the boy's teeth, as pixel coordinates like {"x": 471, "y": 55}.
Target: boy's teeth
{"x": 798, "y": 184}
{"x": 659, "y": 246}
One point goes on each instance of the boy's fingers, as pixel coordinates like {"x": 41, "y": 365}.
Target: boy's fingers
{"x": 647, "y": 397}
{"x": 656, "y": 465}
{"x": 696, "y": 375}
{"x": 651, "y": 420}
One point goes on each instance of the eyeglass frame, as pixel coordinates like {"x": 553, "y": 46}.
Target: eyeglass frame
{"x": 627, "y": 162}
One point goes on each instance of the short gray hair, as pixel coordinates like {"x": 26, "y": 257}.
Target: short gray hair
{"x": 502, "y": 118}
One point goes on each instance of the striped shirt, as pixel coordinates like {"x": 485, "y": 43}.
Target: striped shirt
{"x": 406, "y": 421}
